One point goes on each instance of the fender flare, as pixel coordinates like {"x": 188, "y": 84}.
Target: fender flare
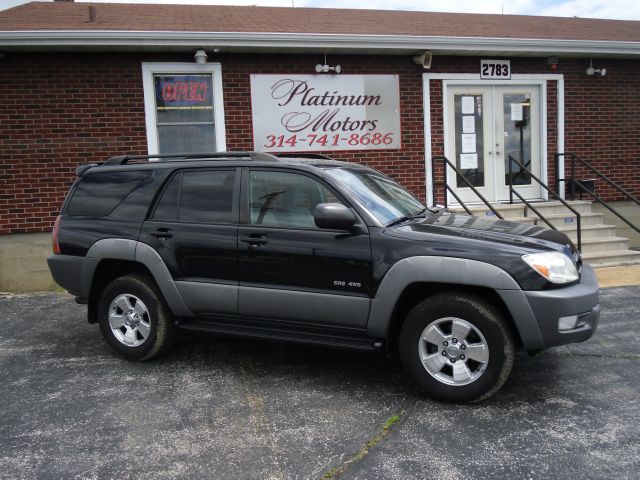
{"x": 132, "y": 250}
{"x": 455, "y": 271}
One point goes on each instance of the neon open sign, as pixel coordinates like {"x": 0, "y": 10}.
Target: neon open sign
{"x": 183, "y": 90}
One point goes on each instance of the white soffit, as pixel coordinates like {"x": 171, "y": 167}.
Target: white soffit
{"x": 243, "y": 41}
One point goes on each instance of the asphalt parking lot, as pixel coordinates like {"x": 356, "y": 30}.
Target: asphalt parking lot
{"x": 223, "y": 408}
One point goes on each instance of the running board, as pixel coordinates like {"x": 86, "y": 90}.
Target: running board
{"x": 281, "y": 333}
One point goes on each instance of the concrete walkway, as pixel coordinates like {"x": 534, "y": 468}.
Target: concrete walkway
{"x": 618, "y": 276}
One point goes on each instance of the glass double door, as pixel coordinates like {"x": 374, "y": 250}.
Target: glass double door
{"x": 488, "y": 128}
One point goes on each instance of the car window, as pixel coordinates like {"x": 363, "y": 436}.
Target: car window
{"x": 199, "y": 197}
{"x": 283, "y": 199}
{"x": 384, "y": 198}
{"x": 97, "y": 194}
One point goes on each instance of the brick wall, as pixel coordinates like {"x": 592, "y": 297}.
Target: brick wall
{"x": 58, "y": 110}
{"x": 602, "y": 117}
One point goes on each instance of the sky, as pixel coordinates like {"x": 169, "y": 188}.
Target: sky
{"x": 613, "y": 9}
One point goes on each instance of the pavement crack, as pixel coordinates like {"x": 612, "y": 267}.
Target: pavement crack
{"x": 629, "y": 356}
{"x": 258, "y": 417}
{"x": 389, "y": 426}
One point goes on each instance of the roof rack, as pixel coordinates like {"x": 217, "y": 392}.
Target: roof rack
{"x": 124, "y": 159}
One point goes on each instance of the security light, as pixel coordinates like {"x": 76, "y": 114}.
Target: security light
{"x": 592, "y": 71}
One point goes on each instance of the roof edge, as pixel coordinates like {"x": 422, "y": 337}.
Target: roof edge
{"x": 301, "y": 41}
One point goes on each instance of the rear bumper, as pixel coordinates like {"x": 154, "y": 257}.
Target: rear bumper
{"x": 73, "y": 273}
{"x": 579, "y": 303}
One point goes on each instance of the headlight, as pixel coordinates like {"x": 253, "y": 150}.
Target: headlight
{"x": 554, "y": 266}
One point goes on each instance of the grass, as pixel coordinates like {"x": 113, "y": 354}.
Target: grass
{"x": 364, "y": 450}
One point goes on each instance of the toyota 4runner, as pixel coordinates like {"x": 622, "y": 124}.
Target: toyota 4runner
{"x": 314, "y": 250}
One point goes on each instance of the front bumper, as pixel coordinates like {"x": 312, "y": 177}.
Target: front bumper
{"x": 580, "y": 300}
{"x": 537, "y": 314}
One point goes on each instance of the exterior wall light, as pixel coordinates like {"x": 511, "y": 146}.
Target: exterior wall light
{"x": 200, "y": 57}
{"x": 552, "y": 62}
{"x": 592, "y": 71}
{"x": 424, "y": 59}
{"x": 326, "y": 68}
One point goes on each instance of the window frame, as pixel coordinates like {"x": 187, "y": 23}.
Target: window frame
{"x": 245, "y": 209}
{"x": 149, "y": 69}
{"x": 180, "y": 172}
{"x": 78, "y": 184}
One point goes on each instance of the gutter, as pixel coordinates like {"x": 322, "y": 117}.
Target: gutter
{"x": 250, "y": 41}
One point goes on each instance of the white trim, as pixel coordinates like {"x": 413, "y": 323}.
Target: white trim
{"x": 323, "y": 41}
{"x": 428, "y": 160}
{"x": 544, "y": 154}
{"x": 215, "y": 69}
{"x": 560, "y": 133}
{"x": 451, "y": 79}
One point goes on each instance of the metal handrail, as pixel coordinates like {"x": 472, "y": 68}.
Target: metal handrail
{"x": 555, "y": 195}
{"x": 575, "y": 157}
{"x": 528, "y": 204}
{"x": 447, "y": 187}
{"x": 575, "y": 183}
{"x": 607, "y": 206}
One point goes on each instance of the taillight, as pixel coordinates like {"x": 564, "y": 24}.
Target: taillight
{"x": 54, "y": 236}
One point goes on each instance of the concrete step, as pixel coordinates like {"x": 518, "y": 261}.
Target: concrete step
{"x": 612, "y": 258}
{"x": 517, "y": 210}
{"x": 506, "y": 210}
{"x": 557, "y": 208}
{"x": 604, "y": 245}
{"x": 588, "y": 231}
{"x": 563, "y": 221}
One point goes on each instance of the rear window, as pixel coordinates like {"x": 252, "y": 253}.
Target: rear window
{"x": 98, "y": 194}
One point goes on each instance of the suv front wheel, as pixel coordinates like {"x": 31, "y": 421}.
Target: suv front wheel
{"x": 134, "y": 318}
{"x": 456, "y": 347}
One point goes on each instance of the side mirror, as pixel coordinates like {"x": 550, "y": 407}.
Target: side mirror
{"x": 333, "y": 216}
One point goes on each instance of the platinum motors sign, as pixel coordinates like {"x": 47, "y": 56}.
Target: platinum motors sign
{"x": 297, "y": 113}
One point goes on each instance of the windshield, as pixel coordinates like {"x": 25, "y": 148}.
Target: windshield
{"x": 384, "y": 198}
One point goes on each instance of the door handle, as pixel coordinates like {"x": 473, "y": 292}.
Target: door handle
{"x": 163, "y": 233}
{"x": 255, "y": 240}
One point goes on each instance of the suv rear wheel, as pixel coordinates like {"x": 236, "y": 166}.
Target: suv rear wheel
{"x": 134, "y": 318}
{"x": 456, "y": 347}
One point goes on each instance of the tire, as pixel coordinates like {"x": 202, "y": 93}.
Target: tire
{"x": 452, "y": 369}
{"x": 134, "y": 318}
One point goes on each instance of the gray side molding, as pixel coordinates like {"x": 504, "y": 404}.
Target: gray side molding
{"x": 524, "y": 318}
{"x": 116, "y": 248}
{"x": 456, "y": 271}
{"x": 150, "y": 259}
{"x": 209, "y": 297}
{"x": 123, "y": 249}
{"x": 320, "y": 308}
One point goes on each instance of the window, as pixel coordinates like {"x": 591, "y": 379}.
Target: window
{"x": 384, "y": 198}
{"x": 98, "y": 194}
{"x": 285, "y": 199}
{"x": 183, "y": 107}
{"x": 198, "y": 197}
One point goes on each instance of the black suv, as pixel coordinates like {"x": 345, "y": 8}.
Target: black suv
{"x": 309, "y": 249}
